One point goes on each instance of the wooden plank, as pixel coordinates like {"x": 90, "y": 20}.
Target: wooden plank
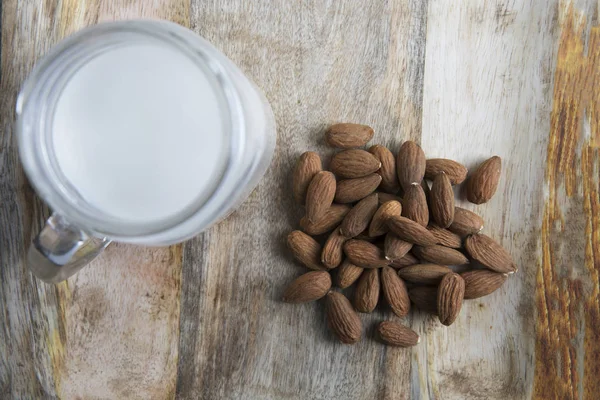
{"x": 318, "y": 62}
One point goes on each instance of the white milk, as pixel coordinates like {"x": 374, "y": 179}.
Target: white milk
{"x": 138, "y": 133}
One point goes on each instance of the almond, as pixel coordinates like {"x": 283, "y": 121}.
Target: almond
{"x": 378, "y": 224}
{"x": 308, "y": 287}
{"x": 394, "y": 247}
{"x": 440, "y": 255}
{"x": 364, "y": 254}
{"x": 333, "y": 253}
{"x": 347, "y": 135}
{"x": 394, "y": 291}
{"x": 456, "y": 172}
{"x": 465, "y": 222}
{"x": 320, "y": 194}
{"x": 405, "y": 261}
{"x": 415, "y": 205}
{"x": 442, "y": 201}
{"x": 397, "y": 335}
{"x": 366, "y": 293}
{"x": 489, "y": 253}
{"x": 354, "y": 163}
{"x": 332, "y": 218}
{"x": 357, "y": 220}
{"x": 410, "y": 231}
{"x": 305, "y": 249}
{"x": 389, "y": 176}
{"x": 426, "y": 274}
{"x": 445, "y": 237}
{"x": 351, "y": 190}
{"x": 308, "y": 165}
{"x": 342, "y": 319}
{"x": 480, "y": 282}
{"x": 385, "y": 197}
{"x": 482, "y": 185}
{"x": 410, "y": 164}
{"x": 450, "y": 297}
{"x": 347, "y": 274}
{"x": 425, "y": 298}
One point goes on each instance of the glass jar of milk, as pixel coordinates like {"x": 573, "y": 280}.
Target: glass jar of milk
{"x": 140, "y": 132}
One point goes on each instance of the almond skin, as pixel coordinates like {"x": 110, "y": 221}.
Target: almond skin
{"x": 308, "y": 165}
{"x": 437, "y": 254}
{"x": 378, "y": 224}
{"x": 482, "y": 185}
{"x": 358, "y": 219}
{"x": 333, "y": 253}
{"x": 348, "y": 136}
{"x": 332, "y": 218}
{"x": 385, "y": 197}
{"x": 415, "y": 205}
{"x": 410, "y": 164}
{"x": 394, "y": 291}
{"x": 450, "y": 297}
{"x": 489, "y": 253}
{"x": 404, "y": 262}
{"x": 342, "y": 319}
{"x": 351, "y": 190}
{"x": 366, "y": 293}
{"x": 480, "y": 282}
{"x": 455, "y": 171}
{"x": 465, "y": 222}
{"x": 442, "y": 201}
{"x": 354, "y": 163}
{"x": 347, "y": 274}
{"x": 320, "y": 194}
{"x": 395, "y": 248}
{"x": 397, "y": 335}
{"x": 308, "y": 287}
{"x": 445, "y": 237}
{"x": 426, "y": 274}
{"x": 425, "y": 298}
{"x": 389, "y": 175}
{"x": 364, "y": 254}
{"x": 305, "y": 249}
{"x": 410, "y": 231}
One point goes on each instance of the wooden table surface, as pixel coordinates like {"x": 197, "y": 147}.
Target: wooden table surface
{"x": 203, "y": 320}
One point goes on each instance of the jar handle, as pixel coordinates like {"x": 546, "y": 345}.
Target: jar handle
{"x": 61, "y": 249}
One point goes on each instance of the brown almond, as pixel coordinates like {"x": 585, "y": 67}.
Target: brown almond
{"x": 455, "y": 171}
{"x": 320, "y": 194}
{"x": 440, "y": 255}
{"x": 308, "y": 165}
{"x": 405, "y": 261}
{"x": 389, "y": 175}
{"x": 308, "y": 287}
{"x": 489, "y": 253}
{"x": 364, "y": 254}
{"x": 397, "y": 335}
{"x": 347, "y": 274}
{"x": 347, "y": 135}
{"x": 332, "y": 218}
{"x": 445, "y": 237}
{"x": 366, "y": 293}
{"x": 358, "y": 219}
{"x": 351, "y": 190}
{"x": 426, "y": 274}
{"x": 425, "y": 298}
{"x": 450, "y": 297}
{"x": 342, "y": 319}
{"x": 410, "y": 164}
{"x": 410, "y": 231}
{"x": 465, "y": 222}
{"x": 354, "y": 163}
{"x": 333, "y": 253}
{"x": 305, "y": 249}
{"x": 480, "y": 282}
{"x": 482, "y": 185}
{"x": 385, "y": 197}
{"x": 378, "y": 224}
{"x": 395, "y": 248}
{"x": 442, "y": 201}
{"x": 394, "y": 291}
{"x": 415, "y": 205}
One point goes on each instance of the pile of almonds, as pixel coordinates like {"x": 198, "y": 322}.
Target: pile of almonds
{"x": 390, "y": 232}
